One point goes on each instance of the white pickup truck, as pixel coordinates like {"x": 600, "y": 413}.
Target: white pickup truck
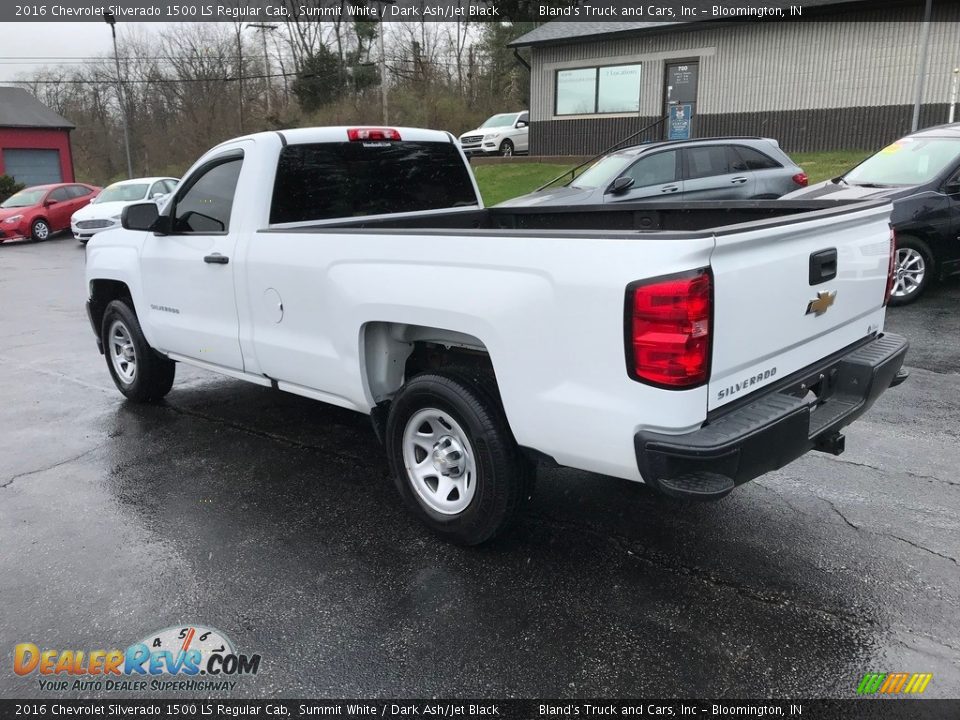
{"x": 690, "y": 346}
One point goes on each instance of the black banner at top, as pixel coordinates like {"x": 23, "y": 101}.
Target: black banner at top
{"x": 615, "y": 12}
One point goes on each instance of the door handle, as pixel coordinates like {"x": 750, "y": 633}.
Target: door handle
{"x": 216, "y": 259}
{"x": 740, "y": 180}
{"x": 669, "y": 189}
{"x": 823, "y": 266}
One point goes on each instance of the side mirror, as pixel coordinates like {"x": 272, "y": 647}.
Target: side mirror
{"x": 520, "y": 124}
{"x": 621, "y": 185}
{"x": 141, "y": 216}
{"x": 48, "y": 202}
{"x": 952, "y": 187}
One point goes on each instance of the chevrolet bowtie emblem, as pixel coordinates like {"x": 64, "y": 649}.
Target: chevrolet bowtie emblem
{"x": 822, "y": 303}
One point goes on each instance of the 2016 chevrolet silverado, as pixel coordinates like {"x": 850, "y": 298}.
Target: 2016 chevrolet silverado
{"x": 689, "y": 346}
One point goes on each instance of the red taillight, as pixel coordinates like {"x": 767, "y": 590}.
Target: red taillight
{"x": 801, "y": 179}
{"x": 355, "y": 134}
{"x": 891, "y": 267}
{"x": 668, "y": 330}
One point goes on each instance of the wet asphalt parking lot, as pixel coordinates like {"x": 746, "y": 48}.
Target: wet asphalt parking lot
{"x": 274, "y": 519}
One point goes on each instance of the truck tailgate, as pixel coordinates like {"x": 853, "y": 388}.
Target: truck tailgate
{"x": 788, "y": 293}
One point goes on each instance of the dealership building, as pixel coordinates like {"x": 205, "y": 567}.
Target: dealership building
{"x": 842, "y": 77}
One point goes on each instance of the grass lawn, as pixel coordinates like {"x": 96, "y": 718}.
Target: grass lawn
{"x": 508, "y": 180}
{"x": 502, "y": 182}
{"x": 825, "y": 165}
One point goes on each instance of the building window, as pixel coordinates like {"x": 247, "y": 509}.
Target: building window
{"x": 590, "y": 91}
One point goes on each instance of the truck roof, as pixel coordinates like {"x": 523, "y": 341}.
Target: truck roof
{"x": 301, "y": 136}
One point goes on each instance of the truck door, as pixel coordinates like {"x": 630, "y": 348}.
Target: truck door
{"x": 188, "y": 276}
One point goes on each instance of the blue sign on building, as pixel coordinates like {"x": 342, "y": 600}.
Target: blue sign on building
{"x": 679, "y": 122}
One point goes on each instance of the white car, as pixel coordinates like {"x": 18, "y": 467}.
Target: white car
{"x": 691, "y": 346}
{"x": 104, "y": 212}
{"x": 504, "y": 134}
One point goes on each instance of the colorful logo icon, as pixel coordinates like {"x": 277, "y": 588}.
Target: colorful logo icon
{"x": 894, "y": 683}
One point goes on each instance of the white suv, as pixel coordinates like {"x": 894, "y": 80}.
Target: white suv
{"x": 503, "y": 134}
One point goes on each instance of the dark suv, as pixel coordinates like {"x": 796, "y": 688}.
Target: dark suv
{"x": 729, "y": 168}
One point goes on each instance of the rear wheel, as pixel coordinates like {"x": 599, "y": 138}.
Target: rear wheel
{"x": 454, "y": 459}
{"x": 506, "y": 148}
{"x": 40, "y": 230}
{"x": 913, "y": 270}
{"x": 138, "y": 371}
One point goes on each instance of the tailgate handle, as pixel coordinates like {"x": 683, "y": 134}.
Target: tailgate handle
{"x": 823, "y": 266}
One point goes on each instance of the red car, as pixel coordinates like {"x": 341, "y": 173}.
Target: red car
{"x": 40, "y": 211}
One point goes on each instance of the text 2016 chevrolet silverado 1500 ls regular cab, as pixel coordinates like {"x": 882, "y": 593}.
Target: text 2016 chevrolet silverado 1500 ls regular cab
{"x": 689, "y": 346}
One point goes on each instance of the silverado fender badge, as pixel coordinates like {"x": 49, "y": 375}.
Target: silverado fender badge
{"x": 822, "y": 303}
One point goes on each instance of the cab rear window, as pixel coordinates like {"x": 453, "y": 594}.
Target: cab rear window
{"x": 339, "y": 180}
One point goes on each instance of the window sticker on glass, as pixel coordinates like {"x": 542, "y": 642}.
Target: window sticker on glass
{"x": 894, "y": 147}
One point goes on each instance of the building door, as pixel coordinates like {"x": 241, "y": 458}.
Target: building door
{"x": 33, "y": 167}
{"x": 680, "y": 99}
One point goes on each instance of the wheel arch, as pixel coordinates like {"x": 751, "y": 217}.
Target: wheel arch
{"x": 936, "y": 240}
{"x": 392, "y": 352}
{"x": 930, "y": 239}
{"x": 102, "y": 293}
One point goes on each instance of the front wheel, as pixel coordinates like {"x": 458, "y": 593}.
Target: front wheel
{"x": 138, "y": 371}
{"x": 454, "y": 459}
{"x": 40, "y": 230}
{"x": 913, "y": 270}
{"x": 506, "y": 148}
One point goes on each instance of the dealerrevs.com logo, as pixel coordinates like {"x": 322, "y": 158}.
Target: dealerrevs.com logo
{"x": 191, "y": 658}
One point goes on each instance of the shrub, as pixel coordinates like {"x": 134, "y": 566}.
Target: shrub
{"x": 9, "y": 186}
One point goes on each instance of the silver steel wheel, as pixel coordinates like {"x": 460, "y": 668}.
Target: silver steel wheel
{"x": 506, "y": 149}
{"x": 41, "y": 230}
{"x": 123, "y": 354}
{"x": 910, "y": 269}
{"x": 439, "y": 460}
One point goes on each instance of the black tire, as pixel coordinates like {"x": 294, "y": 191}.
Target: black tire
{"x": 504, "y": 478}
{"x": 152, "y": 374}
{"x": 913, "y": 250}
{"x": 40, "y": 230}
{"x": 506, "y": 148}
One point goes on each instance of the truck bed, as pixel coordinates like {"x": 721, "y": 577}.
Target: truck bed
{"x": 683, "y": 218}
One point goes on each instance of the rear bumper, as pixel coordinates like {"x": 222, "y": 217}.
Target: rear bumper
{"x": 774, "y": 428}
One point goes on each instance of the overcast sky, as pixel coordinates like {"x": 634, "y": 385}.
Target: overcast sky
{"x": 23, "y": 42}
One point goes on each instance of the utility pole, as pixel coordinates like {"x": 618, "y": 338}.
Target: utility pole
{"x": 953, "y": 92}
{"x": 922, "y": 66}
{"x": 384, "y": 111}
{"x": 239, "y": 31}
{"x": 263, "y": 28}
{"x": 112, "y": 22}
